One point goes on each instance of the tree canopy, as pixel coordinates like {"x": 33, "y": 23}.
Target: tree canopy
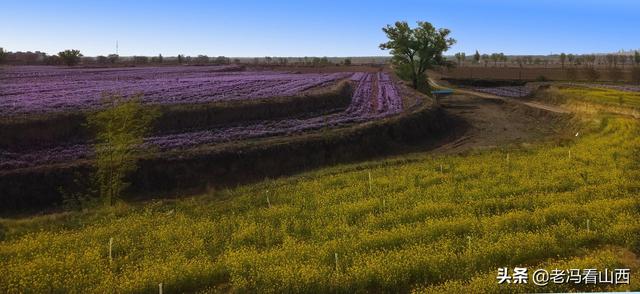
{"x": 120, "y": 129}
{"x": 70, "y": 57}
{"x": 417, "y": 49}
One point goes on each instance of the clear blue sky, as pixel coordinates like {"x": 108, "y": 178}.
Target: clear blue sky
{"x": 318, "y": 28}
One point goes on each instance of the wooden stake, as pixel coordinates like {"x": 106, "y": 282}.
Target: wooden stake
{"x": 160, "y": 288}
{"x": 335, "y": 256}
{"x": 110, "y": 250}
{"x": 370, "y": 185}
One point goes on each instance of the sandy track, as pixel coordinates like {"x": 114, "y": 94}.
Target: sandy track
{"x": 547, "y": 107}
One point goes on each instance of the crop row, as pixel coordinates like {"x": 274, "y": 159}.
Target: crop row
{"x": 624, "y": 88}
{"x": 513, "y": 92}
{"x": 413, "y": 222}
{"x": 25, "y": 91}
{"x": 364, "y": 106}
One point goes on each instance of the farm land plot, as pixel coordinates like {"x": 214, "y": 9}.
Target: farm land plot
{"x": 375, "y": 96}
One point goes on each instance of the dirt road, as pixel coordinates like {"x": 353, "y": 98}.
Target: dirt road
{"x": 547, "y": 107}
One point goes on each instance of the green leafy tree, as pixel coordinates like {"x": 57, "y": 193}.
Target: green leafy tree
{"x": 476, "y": 57}
{"x": 347, "y": 61}
{"x": 636, "y": 58}
{"x": 70, "y": 57}
{"x": 120, "y": 129}
{"x": 417, "y": 49}
{"x": 563, "y": 58}
{"x": 180, "y": 58}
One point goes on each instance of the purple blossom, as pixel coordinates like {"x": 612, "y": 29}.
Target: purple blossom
{"x": 364, "y": 107}
{"x": 26, "y": 90}
{"x": 513, "y": 92}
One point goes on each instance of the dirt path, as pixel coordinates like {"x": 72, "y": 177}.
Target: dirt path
{"x": 491, "y": 121}
{"x": 494, "y": 122}
{"x": 547, "y": 107}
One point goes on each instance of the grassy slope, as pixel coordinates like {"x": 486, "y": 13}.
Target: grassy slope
{"x": 584, "y": 99}
{"x": 605, "y": 96}
{"x": 421, "y": 221}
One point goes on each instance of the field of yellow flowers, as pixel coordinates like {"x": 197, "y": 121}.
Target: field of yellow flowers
{"x": 593, "y": 99}
{"x": 423, "y": 223}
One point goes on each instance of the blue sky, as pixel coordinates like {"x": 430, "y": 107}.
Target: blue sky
{"x": 313, "y": 28}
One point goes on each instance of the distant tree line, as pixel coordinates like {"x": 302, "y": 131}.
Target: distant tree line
{"x": 590, "y": 67}
{"x": 73, "y": 57}
{"x": 564, "y": 60}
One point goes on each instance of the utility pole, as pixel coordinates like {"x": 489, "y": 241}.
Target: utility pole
{"x": 116, "y": 47}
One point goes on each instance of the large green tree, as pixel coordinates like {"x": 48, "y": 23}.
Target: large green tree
{"x": 70, "y": 57}
{"x": 415, "y": 50}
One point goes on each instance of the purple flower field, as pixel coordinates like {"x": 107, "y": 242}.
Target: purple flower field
{"x": 375, "y": 97}
{"x": 27, "y": 89}
{"x": 513, "y": 92}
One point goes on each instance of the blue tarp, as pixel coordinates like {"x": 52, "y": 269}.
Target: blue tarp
{"x": 442, "y": 92}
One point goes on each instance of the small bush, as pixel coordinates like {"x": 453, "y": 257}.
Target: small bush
{"x": 120, "y": 129}
{"x": 541, "y": 78}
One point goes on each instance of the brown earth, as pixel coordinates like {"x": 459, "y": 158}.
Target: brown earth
{"x": 490, "y": 122}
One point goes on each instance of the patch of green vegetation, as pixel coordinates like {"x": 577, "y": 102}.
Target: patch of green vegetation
{"x": 410, "y": 223}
